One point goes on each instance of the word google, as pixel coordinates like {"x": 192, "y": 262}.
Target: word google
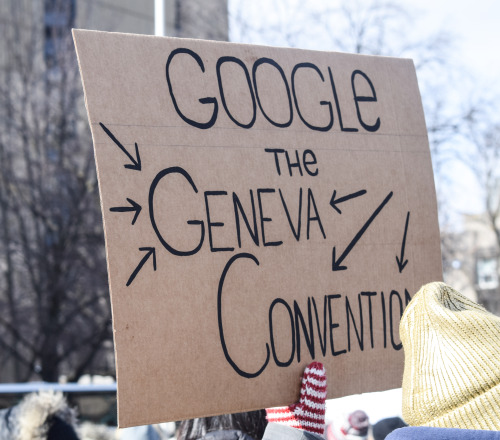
{"x": 252, "y": 84}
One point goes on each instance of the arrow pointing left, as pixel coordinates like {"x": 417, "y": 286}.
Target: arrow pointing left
{"x": 334, "y": 202}
{"x": 133, "y": 207}
{"x": 149, "y": 251}
{"x": 136, "y": 161}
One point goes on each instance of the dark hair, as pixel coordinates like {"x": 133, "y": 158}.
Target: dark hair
{"x": 60, "y": 430}
{"x": 384, "y": 427}
{"x": 252, "y": 423}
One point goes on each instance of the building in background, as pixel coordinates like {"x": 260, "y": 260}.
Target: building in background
{"x": 474, "y": 270}
{"x": 55, "y": 318}
{"x": 206, "y": 19}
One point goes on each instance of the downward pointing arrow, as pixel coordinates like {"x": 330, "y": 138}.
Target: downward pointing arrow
{"x": 149, "y": 251}
{"x": 336, "y": 263}
{"x": 136, "y": 161}
{"x": 401, "y": 264}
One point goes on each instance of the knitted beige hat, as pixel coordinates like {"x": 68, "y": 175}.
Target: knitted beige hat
{"x": 452, "y": 361}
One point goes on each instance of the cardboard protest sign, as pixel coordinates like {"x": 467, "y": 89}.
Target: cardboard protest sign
{"x": 263, "y": 207}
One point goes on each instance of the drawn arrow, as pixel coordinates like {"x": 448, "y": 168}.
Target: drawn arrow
{"x": 401, "y": 263}
{"x": 336, "y": 263}
{"x": 149, "y": 251}
{"x": 133, "y": 207}
{"x": 334, "y": 202}
{"x": 136, "y": 161}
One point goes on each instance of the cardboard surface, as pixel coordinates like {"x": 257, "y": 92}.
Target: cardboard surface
{"x": 263, "y": 207}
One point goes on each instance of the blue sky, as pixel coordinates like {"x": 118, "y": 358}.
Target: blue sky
{"x": 476, "y": 25}
{"x": 473, "y": 58}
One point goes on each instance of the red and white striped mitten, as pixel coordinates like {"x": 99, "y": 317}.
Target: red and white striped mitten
{"x": 309, "y": 413}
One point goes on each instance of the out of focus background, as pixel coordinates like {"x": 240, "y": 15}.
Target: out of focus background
{"x": 55, "y": 315}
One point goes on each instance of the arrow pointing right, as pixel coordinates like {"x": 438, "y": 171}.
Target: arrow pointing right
{"x": 401, "y": 263}
{"x": 134, "y": 206}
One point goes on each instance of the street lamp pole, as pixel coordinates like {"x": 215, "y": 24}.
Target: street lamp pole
{"x": 160, "y": 18}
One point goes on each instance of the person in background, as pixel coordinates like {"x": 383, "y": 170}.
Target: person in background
{"x": 39, "y": 416}
{"x": 143, "y": 432}
{"x": 304, "y": 420}
{"x": 355, "y": 427}
{"x": 451, "y": 380}
{"x": 384, "y": 427}
{"x": 239, "y": 426}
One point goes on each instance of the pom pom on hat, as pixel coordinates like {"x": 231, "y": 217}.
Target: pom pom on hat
{"x": 452, "y": 361}
{"x": 356, "y": 427}
{"x": 309, "y": 413}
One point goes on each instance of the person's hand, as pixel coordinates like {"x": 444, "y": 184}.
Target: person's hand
{"x": 309, "y": 413}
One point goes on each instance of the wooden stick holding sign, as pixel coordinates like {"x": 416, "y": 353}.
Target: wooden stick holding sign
{"x": 231, "y": 266}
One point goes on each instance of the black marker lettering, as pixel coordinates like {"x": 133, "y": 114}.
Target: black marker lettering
{"x": 283, "y": 77}
{"x": 276, "y": 151}
{"x": 238, "y": 207}
{"x": 152, "y": 189}
{"x": 337, "y": 105}
{"x": 211, "y": 224}
{"x": 289, "y": 310}
{"x": 322, "y": 340}
{"x": 369, "y": 295}
{"x": 265, "y": 219}
{"x": 384, "y": 321}
{"x": 333, "y": 325}
{"x": 395, "y": 294}
{"x": 213, "y": 101}
{"x": 407, "y": 297}
{"x": 358, "y": 99}
{"x": 295, "y": 232}
{"x": 240, "y": 63}
{"x": 311, "y": 204}
{"x": 327, "y": 103}
{"x": 313, "y": 161}
{"x": 308, "y": 335}
{"x": 295, "y": 164}
{"x": 359, "y": 335}
{"x": 219, "y": 318}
